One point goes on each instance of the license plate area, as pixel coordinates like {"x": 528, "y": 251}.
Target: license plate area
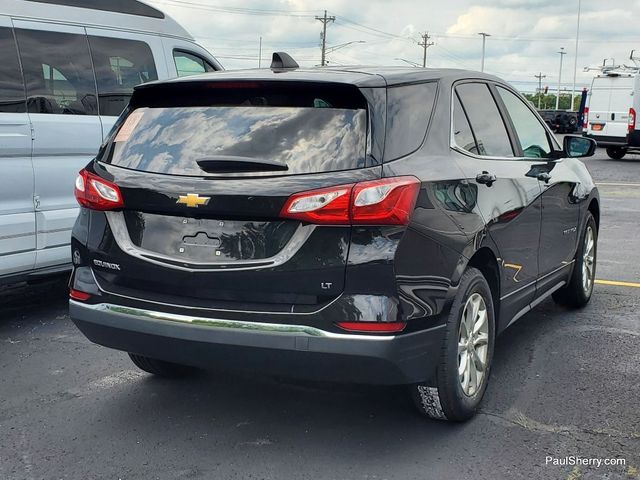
{"x": 208, "y": 241}
{"x": 597, "y": 127}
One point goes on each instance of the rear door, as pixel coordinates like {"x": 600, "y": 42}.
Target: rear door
{"x": 63, "y": 108}
{"x": 17, "y": 216}
{"x": 609, "y": 103}
{"x": 620, "y": 101}
{"x": 197, "y": 229}
{"x": 510, "y": 201}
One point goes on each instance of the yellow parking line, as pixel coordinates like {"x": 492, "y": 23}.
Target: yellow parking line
{"x": 618, "y": 284}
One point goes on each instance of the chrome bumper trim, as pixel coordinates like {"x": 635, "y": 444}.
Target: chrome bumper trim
{"x": 231, "y": 325}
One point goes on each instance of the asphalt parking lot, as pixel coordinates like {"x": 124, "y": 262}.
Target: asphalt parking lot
{"x": 564, "y": 384}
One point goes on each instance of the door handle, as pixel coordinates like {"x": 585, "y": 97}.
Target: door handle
{"x": 544, "y": 177}
{"x": 486, "y": 178}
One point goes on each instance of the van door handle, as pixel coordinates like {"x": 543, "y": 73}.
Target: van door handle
{"x": 544, "y": 177}
{"x": 486, "y": 178}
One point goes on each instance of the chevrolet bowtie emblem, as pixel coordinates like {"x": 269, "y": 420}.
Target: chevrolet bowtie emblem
{"x": 193, "y": 200}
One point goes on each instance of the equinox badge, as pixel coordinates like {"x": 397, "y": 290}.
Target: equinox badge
{"x": 193, "y": 200}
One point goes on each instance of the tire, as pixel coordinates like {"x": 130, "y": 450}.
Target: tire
{"x": 616, "y": 153}
{"x": 160, "y": 367}
{"x": 454, "y": 398}
{"x": 578, "y": 291}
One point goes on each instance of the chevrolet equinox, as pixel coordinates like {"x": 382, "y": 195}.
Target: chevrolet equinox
{"x": 373, "y": 225}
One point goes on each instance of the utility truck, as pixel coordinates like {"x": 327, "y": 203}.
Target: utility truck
{"x": 610, "y": 116}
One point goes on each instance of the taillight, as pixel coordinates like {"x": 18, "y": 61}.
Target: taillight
{"x": 324, "y": 206}
{"x": 78, "y": 295}
{"x": 97, "y": 193}
{"x": 388, "y": 201}
{"x": 372, "y": 327}
{"x": 585, "y": 118}
{"x": 631, "y": 126}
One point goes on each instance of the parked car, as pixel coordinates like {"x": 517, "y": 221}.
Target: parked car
{"x": 66, "y": 73}
{"x": 560, "y": 121}
{"x": 611, "y": 113}
{"x": 376, "y": 225}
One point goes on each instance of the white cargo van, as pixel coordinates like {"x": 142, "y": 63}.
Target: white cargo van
{"x": 67, "y": 69}
{"x": 610, "y": 117}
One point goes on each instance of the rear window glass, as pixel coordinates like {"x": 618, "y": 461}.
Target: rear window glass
{"x": 408, "y": 111}
{"x": 172, "y": 140}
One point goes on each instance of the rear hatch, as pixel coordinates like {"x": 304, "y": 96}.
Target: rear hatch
{"x": 204, "y": 172}
{"x": 609, "y": 104}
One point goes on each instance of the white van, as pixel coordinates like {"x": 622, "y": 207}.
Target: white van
{"x": 610, "y": 117}
{"x": 67, "y": 69}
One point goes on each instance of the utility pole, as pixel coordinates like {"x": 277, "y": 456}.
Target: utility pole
{"x": 425, "y": 44}
{"x": 484, "y": 43}
{"x": 260, "y": 53}
{"x": 575, "y": 59}
{"x": 324, "y": 19}
{"x": 540, "y": 76}
{"x": 562, "y": 54}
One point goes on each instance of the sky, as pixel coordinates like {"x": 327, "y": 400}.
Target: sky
{"x": 525, "y": 34}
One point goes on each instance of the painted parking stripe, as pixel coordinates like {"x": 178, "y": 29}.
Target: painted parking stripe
{"x": 618, "y": 284}
{"x": 615, "y": 184}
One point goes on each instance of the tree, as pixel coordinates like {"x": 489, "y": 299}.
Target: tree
{"x": 548, "y": 102}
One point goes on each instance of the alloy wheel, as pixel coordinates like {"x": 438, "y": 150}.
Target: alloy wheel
{"x": 473, "y": 345}
{"x": 588, "y": 260}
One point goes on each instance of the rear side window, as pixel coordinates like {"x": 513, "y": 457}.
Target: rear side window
{"x": 408, "y": 111}
{"x": 58, "y": 72}
{"x": 190, "y": 64}
{"x": 486, "y": 122}
{"x": 120, "y": 65}
{"x": 462, "y": 134}
{"x": 12, "y": 97}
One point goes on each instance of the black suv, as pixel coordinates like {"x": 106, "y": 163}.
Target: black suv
{"x": 374, "y": 225}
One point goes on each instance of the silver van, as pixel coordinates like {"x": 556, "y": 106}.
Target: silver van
{"x": 67, "y": 70}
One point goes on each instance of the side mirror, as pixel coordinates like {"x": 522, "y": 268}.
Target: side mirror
{"x": 576, "y": 147}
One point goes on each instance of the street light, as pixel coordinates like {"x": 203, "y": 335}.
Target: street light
{"x": 484, "y": 41}
{"x": 562, "y": 54}
{"x": 575, "y": 60}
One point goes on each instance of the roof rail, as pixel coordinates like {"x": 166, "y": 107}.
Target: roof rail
{"x": 131, "y": 7}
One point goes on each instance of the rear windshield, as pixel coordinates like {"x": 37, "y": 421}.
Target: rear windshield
{"x": 179, "y": 140}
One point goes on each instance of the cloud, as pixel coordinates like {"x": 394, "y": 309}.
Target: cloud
{"x": 526, "y": 34}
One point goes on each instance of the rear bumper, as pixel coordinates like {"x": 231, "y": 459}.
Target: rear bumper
{"x": 607, "y": 141}
{"x": 291, "y": 350}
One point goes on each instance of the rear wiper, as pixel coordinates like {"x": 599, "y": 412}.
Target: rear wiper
{"x": 234, "y": 164}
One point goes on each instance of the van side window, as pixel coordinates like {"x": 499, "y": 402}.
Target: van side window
{"x": 486, "y": 122}
{"x": 190, "y": 64}
{"x": 12, "y": 97}
{"x": 58, "y": 73}
{"x": 120, "y": 65}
